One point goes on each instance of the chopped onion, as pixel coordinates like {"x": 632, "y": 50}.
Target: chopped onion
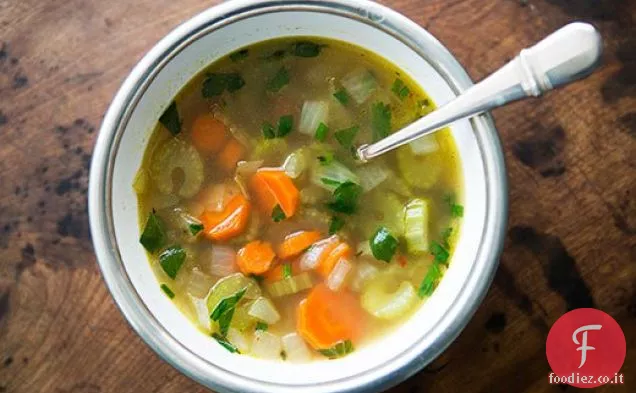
{"x": 199, "y": 284}
{"x": 201, "y": 311}
{"x": 295, "y": 348}
{"x": 291, "y": 285}
{"x": 223, "y": 261}
{"x": 264, "y": 309}
{"x": 372, "y": 175}
{"x": 295, "y": 164}
{"x": 330, "y": 176}
{"x": 312, "y": 114}
{"x": 424, "y": 145}
{"x": 339, "y": 274}
{"x": 363, "y": 272}
{"x": 246, "y": 168}
{"x": 364, "y": 249}
{"x": 360, "y": 84}
{"x": 311, "y": 257}
{"x": 266, "y": 345}
{"x": 214, "y": 197}
{"x": 239, "y": 340}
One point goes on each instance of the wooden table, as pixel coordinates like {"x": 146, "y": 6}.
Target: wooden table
{"x": 572, "y": 170}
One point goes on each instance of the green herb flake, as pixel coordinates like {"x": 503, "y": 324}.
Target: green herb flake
{"x": 224, "y": 311}
{"x": 380, "y": 121}
{"x": 329, "y": 182}
{"x": 195, "y": 228}
{"x": 321, "y": 132}
{"x": 347, "y": 136}
{"x": 446, "y": 234}
{"x": 279, "y": 80}
{"x": 438, "y": 251}
{"x": 457, "y": 210}
{"x": 166, "y": 289}
{"x": 153, "y": 237}
{"x": 170, "y": 119}
{"x": 326, "y": 158}
{"x": 345, "y": 198}
{"x": 306, "y": 49}
{"x": 257, "y": 278}
{"x": 171, "y": 260}
{"x": 400, "y": 89}
{"x": 278, "y": 214}
{"x": 383, "y": 245}
{"x": 339, "y": 350}
{"x": 335, "y": 225}
{"x": 262, "y": 326}
{"x": 268, "y": 131}
{"x": 225, "y": 344}
{"x": 430, "y": 281}
{"x": 287, "y": 270}
{"x": 285, "y": 125}
{"x": 239, "y": 55}
{"x": 342, "y": 96}
{"x": 215, "y": 84}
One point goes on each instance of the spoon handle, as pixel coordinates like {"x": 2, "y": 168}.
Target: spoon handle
{"x": 564, "y": 56}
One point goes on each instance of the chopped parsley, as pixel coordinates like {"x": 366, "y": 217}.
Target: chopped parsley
{"x": 345, "y": 198}
{"x": 342, "y": 96}
{"x": 346, "y": 137}
{"x": 171, "y": 260}
{"x": 195, "y": 228}
{"x": 306, "y": 49}
{"x": 440, "y": 253}
{"x": 261, "y": 326}
{"x": 170, "y": 119}
{"x": 380, "y": 121}
{"x": 430, "y": 281}
{"x": 339, "y": 350}
{"x": 224, "y": 311}
{"x": 329, "y": 182}
{"x": 278, "y": 214}
{"x": 287, "y": 270}
{"x": 400, "y": 89}
{"x": 215, "y": 84}
{"x": 268, "y": 131}
{"x": 225, "y": 344}
{"x": 239, "y": 55}
{"x": 279, "y": 80}
{"x": 166, "y": 289}
{"x": 383, "y": 245}
{"x": 285, "y": 125}
{"x": 335, "y": 225}
{"x": 321, "y": 132}
{"x": 326, "y": 158}
{"x": 153, "y": 237}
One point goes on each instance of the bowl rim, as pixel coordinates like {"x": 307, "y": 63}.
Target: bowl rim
{"x": 133, "y": 88}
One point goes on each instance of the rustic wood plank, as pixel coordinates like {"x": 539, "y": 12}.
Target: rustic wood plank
{"x": 572, "y": 171}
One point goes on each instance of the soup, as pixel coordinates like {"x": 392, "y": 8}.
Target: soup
{"x": 261, "y": 225}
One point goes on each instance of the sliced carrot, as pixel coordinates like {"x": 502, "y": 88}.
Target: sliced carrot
{"x": 328, "y": 262}
{"x": 276, "y": 273}
{"x": 273, "y": 187}
{"x": 256, "y": 257}
{"x": 231, "y": 155}
{"x": 229, "y": 222}
{"x": 208, "y": 133}
{"x": 296, "y": 243}
{"x": 326, "y": 317}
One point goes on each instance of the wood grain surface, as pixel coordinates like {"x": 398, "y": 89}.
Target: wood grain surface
{"x": 572, "y": 170}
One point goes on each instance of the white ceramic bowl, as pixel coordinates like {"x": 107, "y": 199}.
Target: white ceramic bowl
{"x": 150, "y": 88}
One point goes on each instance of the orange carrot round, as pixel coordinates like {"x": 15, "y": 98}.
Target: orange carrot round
{"x": 231, "y": 154}
{"x": 229, "y": 222}
{"x": 273, "y": 187}
{"x": 208, "y": 134}
{"x": 326, "y": 264}
{"x": 255, "y": 257}
{"x": 296, "y": 243}
{"x": 325, "y": 318}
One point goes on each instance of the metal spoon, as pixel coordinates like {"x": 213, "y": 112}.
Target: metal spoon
{"x": 569, "y": 54}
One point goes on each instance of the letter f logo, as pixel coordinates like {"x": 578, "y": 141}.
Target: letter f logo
{"x": 584, "y": 347}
